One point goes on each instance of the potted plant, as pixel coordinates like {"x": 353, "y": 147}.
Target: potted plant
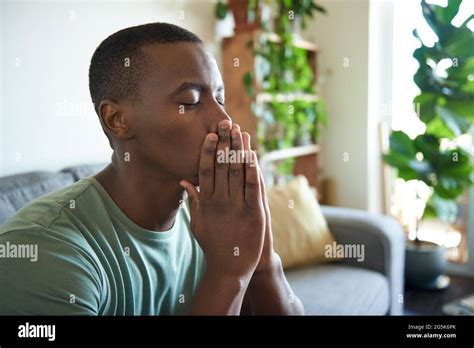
{"x": 246, "y": 13}
{"x": 446, "y": 106}
{"x": 295, "y": 13}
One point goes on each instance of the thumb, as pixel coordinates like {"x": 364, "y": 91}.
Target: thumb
{"x": 193, "y": 195}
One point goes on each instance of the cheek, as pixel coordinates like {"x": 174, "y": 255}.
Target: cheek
{"x": 173, "y": 141}
{"x": 185, "y": 143}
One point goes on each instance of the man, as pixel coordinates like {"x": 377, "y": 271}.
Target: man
{"x": 123, "y": 242}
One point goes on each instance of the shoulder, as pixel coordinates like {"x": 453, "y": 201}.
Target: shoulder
{"x": 44, "y": 259}
{"x": 42, "y": 273}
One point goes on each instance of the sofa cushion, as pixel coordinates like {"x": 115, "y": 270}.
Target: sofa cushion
{"x": 19, "y": 180}
{"x": 300, "y": 232}
{"x": 6, "y": 209}
{"x": 336, "y": 289}
{"x": 82, "y": 171}
{"x": 14, "y": 195}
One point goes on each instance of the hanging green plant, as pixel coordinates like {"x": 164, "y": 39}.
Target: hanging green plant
{"x": 282, "y": 68}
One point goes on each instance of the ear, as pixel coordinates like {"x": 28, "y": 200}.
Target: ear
{"x": 115, "y": 119}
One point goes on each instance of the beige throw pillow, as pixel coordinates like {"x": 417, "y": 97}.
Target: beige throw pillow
{"x": 300, "y": 232}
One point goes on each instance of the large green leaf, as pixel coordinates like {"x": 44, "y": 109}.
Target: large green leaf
{"x": 396, "y": 160}
{"x": 402, "y": 144}
{"x": 468, "y": 87}
{"x": 462, "y": 44}
{"x": 446, "y": 14}
{"x": 430, "y": 17}
{"x": 457, "y": 124}
{"x": 425, "y": 104}
{"x": 422, "y": 168}
{"x": 456, "y": 163}
{"x": 445, "y": 209}
{"x": 462, "y": 108}
{"x": 446, "y": 106}
{"x": 428, "y": 145}
{"x": 438, "y": 128}
{"x": 448, "y": 188}
{"x": 407, "y": 174}
{"x": 461, "y": 70}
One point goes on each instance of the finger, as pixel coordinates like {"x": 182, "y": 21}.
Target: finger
{"x": 264, "y": 196}
{"x": 236, "y": 171}
{"x": 206, "y": 166}
{"x": 253, "y": 195}
{"x": 246, "y": 144}
{"x": 221, "y": 187}
{"x": 263, "y": 187}
{"x": 193, "y": 197}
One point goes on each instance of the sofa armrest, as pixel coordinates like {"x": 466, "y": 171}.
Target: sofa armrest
{"x": 383, "y": 241}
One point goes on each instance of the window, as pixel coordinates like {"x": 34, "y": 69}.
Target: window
{"x": 408, "y": 197}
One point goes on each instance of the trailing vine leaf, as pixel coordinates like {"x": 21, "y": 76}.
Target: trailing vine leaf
{"x": 221, "y": 10}
{"x": 248, "y": 83}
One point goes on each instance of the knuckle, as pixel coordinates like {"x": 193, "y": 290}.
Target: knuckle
{"x": 234, "y": 171}
{"x": 221, "y": 165}
{"x": 209, "y": 150}
{"x": 236, "y": 144}
{"x": 224, "y": 138}
{"x": 251, "y": 185}
{"x": 206, "y": 171}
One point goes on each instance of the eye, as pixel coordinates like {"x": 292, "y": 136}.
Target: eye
{"x": 188, "y": 105}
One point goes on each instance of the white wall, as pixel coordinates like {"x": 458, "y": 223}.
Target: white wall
{"x": 343, "y": 37}
{"x": 380, "y": 102}
{"x": 47, "y": 120}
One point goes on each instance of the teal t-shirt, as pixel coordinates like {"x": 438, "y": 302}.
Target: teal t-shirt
{"x": 74, "y": 252}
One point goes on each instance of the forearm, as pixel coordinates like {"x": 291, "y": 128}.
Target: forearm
{"x": 218, "y": 295}
{"x": 270, "y": 294}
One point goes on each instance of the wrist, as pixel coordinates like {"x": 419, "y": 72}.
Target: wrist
{"x": 236, "y": 282}
{"x": 272, "y": 266}
{"x": 267, "y": 277}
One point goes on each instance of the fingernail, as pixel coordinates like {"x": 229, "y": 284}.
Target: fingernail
{"x": 212, "y": 136}
{"x": 224, "y": 124}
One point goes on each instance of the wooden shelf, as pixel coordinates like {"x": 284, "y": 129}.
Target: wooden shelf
{"x": 239, "y": 103}
{"x": 297, "y": 151}
{"x": 297, "y": 42}
{"x": 285, "y": 97}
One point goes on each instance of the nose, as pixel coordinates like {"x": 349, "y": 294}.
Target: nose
{"x": 217, "y": 115}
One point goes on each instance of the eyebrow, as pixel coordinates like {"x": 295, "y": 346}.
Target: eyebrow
{"x": 195, "y": 86}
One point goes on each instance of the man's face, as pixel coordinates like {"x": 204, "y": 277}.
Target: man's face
{"x": 181, "y": 101}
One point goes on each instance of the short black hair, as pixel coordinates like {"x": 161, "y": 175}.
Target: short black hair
{"x": 119, "y": 64}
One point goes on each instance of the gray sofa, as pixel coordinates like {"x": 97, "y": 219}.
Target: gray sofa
{"x": 347, "y": 287}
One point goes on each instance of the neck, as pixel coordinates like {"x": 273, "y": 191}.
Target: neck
{"x": 149, "y": 198}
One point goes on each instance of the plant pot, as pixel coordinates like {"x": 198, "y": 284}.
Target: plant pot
{"x": 239, "y": 9}
{"x": 424, "y": 265}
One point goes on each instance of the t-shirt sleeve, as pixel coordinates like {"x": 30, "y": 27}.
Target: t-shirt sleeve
{"x": 61, "y": 279}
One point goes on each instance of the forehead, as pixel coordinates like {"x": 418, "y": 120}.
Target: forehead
{"x": 173, "y": 64}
